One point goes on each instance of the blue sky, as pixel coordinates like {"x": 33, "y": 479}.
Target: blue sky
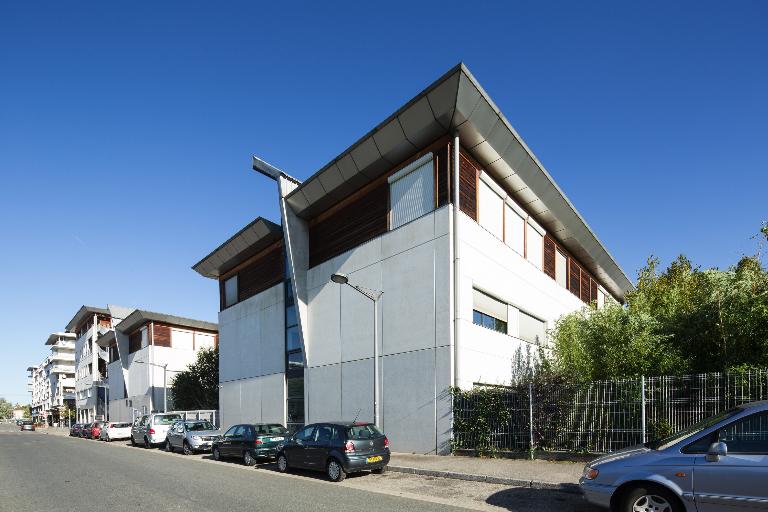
{"x": 126, "y": 130}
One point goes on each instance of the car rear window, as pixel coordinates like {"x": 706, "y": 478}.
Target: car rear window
{"x": 199, "y": 425}
{"x": 122, "y": 425}
{"x": 166, "y": 419}
{"x": 270, "y": 429}
{"x": 362, "y": 432}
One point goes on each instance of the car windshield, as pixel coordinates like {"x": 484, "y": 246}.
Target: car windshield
{"x": 270, "y": 429}
{"x": 199, "y": 425}
{"x": 666, "y": 442}
{"x": 166, "y": 419}
{"x": 362, "y": 432}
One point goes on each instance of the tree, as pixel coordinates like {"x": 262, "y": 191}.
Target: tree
{"x": 197, "y": 387}
{"x": 680, "y": 320}
{"x": 6, "y": 408}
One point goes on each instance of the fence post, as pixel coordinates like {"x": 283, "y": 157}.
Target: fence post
{"x": 642, "y": 405}
{"x": 530, "y": 419}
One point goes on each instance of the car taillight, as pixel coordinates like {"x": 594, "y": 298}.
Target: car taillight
{"x": 258, "y": 441}
{"x": 349, "y": 447}
{"x": 386, "y": 442}
{"x": 151, "y": 431}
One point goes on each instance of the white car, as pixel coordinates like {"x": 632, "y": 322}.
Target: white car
{"x": 113, "y": 431}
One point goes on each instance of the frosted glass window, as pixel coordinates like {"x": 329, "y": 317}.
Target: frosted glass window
{"x": 561, "y": 269}
{"x": 181, "y": 339}
{"x": 514, "y": 229}
{"x": 203, "y": 341}
{"x": 412, "y": 192}
{"x": 535, "y": 246}
{"x": 491, "y": 210}
{"x": 532, "y": 329}
{"x": 230, "y": 291}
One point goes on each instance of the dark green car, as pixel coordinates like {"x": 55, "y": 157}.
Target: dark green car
{"x": 249, "y": 442}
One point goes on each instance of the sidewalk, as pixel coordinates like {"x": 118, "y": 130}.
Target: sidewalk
{"x": 537, "y": 474}
{"x": 57, "y": 431}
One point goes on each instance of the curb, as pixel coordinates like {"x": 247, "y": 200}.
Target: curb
{"x": 515, "y": 482}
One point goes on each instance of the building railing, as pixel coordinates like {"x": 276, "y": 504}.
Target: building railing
{"x": 597, "y": 417}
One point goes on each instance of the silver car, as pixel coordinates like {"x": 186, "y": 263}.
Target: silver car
{"x": 151, "y": 429}
{"x": 191, "y": 436}
{"x": 718, "y": 465}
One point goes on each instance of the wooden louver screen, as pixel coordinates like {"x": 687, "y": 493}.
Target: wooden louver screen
{"x": 468, "y": 187}
{"x": 574, "y": 282}
{"x": 263, "y": 273}
{"x": 161, "y": 335}
{"x": 549, "y": 257}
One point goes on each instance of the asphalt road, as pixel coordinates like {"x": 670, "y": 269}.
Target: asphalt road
{"x": 50, "y": 472}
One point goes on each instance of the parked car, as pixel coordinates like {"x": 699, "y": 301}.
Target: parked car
{"x": 719, "y": 464}
{"x": 191, "y": 436}
{"x": 112, "y": 431}
{"x": 94, "y": 430}
{"x": 336, "y": 448}
{"x": 27, "y": 425}
{"x": 151, "y": 429}
{"x": 85, "y": 430}
{"x": 249, "y": 442}
{"x": 74, "y": 430}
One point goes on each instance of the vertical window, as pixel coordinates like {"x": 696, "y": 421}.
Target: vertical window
{"x": 491, "y": 207}
{"x": 294, "y": 363}
{"x": 561, "y": 269}
{"x": 514, "y": 227}
{"x": 230, "y": 291}
{"x": 412, "y": 191}
{"x": 532, "y": 329}
{"x": 600, "y": 298}
{"x": 535, "y": 243}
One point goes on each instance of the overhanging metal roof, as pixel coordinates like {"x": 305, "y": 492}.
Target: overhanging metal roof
{"x": 106, "y": 339}
{"x": 140, "y": 317}
{"x": 82, "y": 313}
{"x": 245, "y": 243}
{"x": 456, "y": 103}
{"x": 56, "y": 336}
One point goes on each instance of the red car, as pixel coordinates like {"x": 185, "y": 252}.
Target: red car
{"x": 95, "y": 429}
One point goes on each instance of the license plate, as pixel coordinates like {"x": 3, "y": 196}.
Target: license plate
{"x": 276, "y": 439}
{"x": 373, "y": 459}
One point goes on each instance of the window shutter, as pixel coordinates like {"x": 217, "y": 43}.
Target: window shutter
{"x": 584, "y": 286}
{"x": 468, "y": 187}
{"x": 490, "y": 306}
{"x": 412, "y": 191}
{"x": 592, "y": 291}
{"x": 561, "y": 269}
{"x": 549, "y": 257}
{"x": 575, "y": 279}
{"x": 491, "y": 207}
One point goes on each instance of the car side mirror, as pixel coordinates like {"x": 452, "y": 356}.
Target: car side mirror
{"x": 716, "y": 450}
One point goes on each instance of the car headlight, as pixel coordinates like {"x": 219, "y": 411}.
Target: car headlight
{"x": 591, "y": 473}
{"x": 196, "y": 438}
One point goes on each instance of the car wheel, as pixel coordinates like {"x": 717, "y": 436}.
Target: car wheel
{"x": 168, "y": 446}
{"x": 133, "y": 441}
{"x": 146, "y": 443}
{"x": 335, "y": 471}
{"x": 651, "y": 498}
{"x": 282, "y": 463}
{"x": 216, "y": 454}
{"x": 248, "y": 459}
{"x": 187, "y": 449}
{"x": 379, "y": 471}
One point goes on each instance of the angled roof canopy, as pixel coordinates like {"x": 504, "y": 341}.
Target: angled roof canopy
{"x": 245, "y": 243}
{"x": 456, "y": 103}
{"x": 106, "y": 339}
{"x": 56, "y": 336}
{"x": 84, "y": 312}
{"x": 140, "y": 317}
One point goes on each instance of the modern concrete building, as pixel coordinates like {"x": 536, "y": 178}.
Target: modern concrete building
{"x": 53, "y": 380}
{"x": 145, "y": 350}
{"x": 91, "y": 386}
{"x": 454, "y": 250}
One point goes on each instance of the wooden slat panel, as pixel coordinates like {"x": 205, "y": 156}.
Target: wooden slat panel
{"x": 575, "y": 278}
{"x": 549, "y": 257}
{"x": 161, "y": 335}
{"x": 134, "y": 342}
{"x": 353, "y": 224}
{"x": 262, "y": 273}
{"x": 468, "y": 187}
{"x": 443, "y": 176}
{"x": 592, "y": 290}
{"x": 584, "y": 286}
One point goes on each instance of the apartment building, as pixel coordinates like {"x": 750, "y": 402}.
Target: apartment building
{"x": 91, "y": 386}
{"x": 144, "y": 352}
{"x": 52, "y": 382}
{"x": 452, "y": 252}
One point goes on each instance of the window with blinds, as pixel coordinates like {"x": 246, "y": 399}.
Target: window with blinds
{"x": 532, "y": 329}
{"x": 412, "y": 191}
{"x": 534, "y": 243}
{"x": 491, "y": 207}
{"x": 514, "y": 228}
{"x": 489, "y": 312}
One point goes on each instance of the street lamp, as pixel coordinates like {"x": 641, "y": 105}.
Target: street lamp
{"x": 374, "y": 296}
{"x": 165, "y": 388}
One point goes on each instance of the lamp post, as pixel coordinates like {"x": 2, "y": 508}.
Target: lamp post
{"x": 165, "y": 388}
{"x": 374, "y": 296}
